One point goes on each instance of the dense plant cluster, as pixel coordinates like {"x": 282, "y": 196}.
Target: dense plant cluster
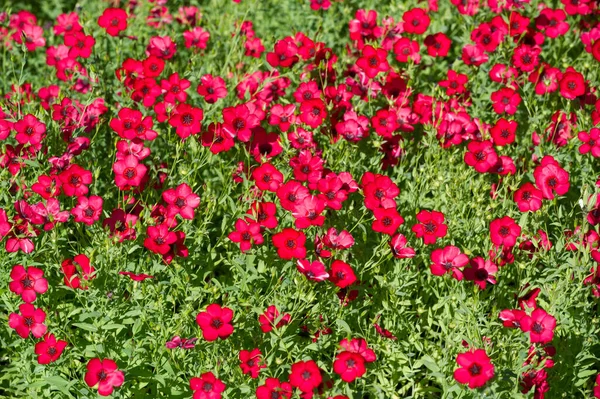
{"x": 333, "y": 199}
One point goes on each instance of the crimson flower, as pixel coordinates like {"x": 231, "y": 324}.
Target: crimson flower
{"x": 448, "y": 260}
{"x": 506, "y": 100}
{"x": 504, "y": 132}
{"x": 314, "y": 271}
{"x": 341, "y": 274}
{"x": 212, "y": 88}
{"x": 247, "y": 232}
{"x": 349, "y": 366}
{"x": 290, "y": 244}
{"x": 373, "y": 61}
{"x": 430, "y": 227}
{"x": 129, "y": 172}
{"x": 268, "y": 319}
{"x": 69, "y": 268}
{"x": 476, "y": 369}
{"x": 30, "y": 130}
{"x": 159, "y": 239}
{"x": 386, "y": 221}
{"x": 551, "y": 178}
{"x": 104, "y": 374}
{"x": 528, "y": 198}
{"x": 274, "y": 389}
{"x": 504, "y": 231}
{"x": 74, "y": 180}
{"x": 400, "y": 250}
{"x": 181, "y": 200}
{"x": 49, "y": 350}
{"x": 88, "y": 210}
{"x": 251, "y": 362}
{"x": 305, "y": 375}
{"x": 481, "y": 155}
{"x": 481, "y": 272}
{"x": 215, "y": 322}
{"x": 416, "y": 21}
{"x": 572, "y": 84}
{"x": 31, "y": 320}
{"x": 313, "y": 112}
{"x": 187, "y": 120}
{"x": 114, "y": 20}
{"x": 540, "y": 326}
{"x": 239, "y": 121}
{"x": 27, "y": 282}
{"x": 207, "y": 386}
{"x": 590, "y": 142}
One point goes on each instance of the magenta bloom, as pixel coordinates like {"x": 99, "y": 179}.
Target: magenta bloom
{"x": 475, "y": 368}
{"x": 27, "y": 282}
{"x": 31, "y": 320}
{"x": 104, "y": 374}
{"x": 448, "y": 260}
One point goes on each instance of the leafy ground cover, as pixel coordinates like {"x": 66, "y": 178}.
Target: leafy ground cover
{"x": 300, "y": 199}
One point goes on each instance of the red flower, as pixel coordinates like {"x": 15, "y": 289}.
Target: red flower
{"x": 504, "y": 232}
{"x": 406, "y": 49}
{"x": 31, "y": 320}
{"x": 80, "y": 44}
{"x": 399, "y": 249}
{"x": 196, "y": 37}
{"x": 181, "y": 200}
{"x": 282, "y": 116}
{"x": 506, "y": 100}
{"x": 540, "y": 326}
{"x": 251, "y": 362}
{"x": 30, "y": 131}
{"x": 481, "y": 272}
{"x": 379, "y": 191}
{"x": 305, "y": 376}
{"x": 269, "y": 317}
{"x": 136, "y": 277}
{"x": 49, "y": 350}
{"x": 187, "y": 120}
{"x": 481, "y": 155}
{"x": 386, "y": 221}
{"x": 216, "y": 139}
{"x": 474, "y": 55}
{"x": 475, "y": 368}
{"x": 314, "y": 271}
{"x": 308, "y": 212}
{"x": 74, "y": 180}
{"x": 175, "y": 88}
{"x": 572, "y": 84}
{"x": 290, "y": 244}
{"x": 129, "y": 172}
{"x": 552, "y": 22}
{"x": 247, "y": 232}
{"x": 267, "y": 177}
{"x": 503, "y": 132}
{"x": 27, "y": 282}
{"x": 284, "y": 53}
{"x": 274, "y": 389}
{"x": 88, "y": 210}
{"x": 438, "y": 45}
{"x": 526, "y": 58}
{"x": 239, "y": 121}
{"x": 455, "y": 84}
{"x": 114, "y": 20}
{"x": 416, "y": 21}
{"x": 105, "y": 374}
{"x": 551, "y": 178}
{"x": 215, "y": 322}
{"x": 161, "y": 47}
{"x": 207, "y": 386}
{"x": 212, "y": 88}
{"x": 341, "y": 274}
{"x": 591, "y": 142}
{"x": 431, "y": 226}
{"x": 265, "y": 214}
{"x": 512, "y": 318}
{"x": 313, "y": 112}
{"x": 373, "y": 61}
{"x": 448, "y": 260}
{"x": 349, "y": 366}
{"x": 69, "y": 268}
{"x": 159, "y": 239}
{"x": 528, "y": 198}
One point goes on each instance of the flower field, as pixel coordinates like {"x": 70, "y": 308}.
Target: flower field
{"x": 277, "y": 199}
